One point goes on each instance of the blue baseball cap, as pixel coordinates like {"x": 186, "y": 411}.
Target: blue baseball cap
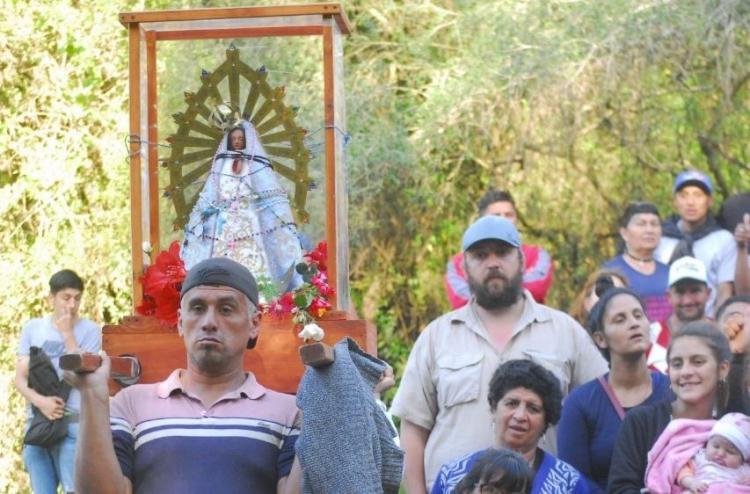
{"x": 491, "y": 227}
{"x": 693, "y": 177}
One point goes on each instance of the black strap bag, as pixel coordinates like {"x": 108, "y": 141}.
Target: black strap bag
{"x": 43, "y": 379}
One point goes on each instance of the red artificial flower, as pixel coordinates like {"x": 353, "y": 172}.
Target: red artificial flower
{"x": 147, "y": 307}
{"x": 167, "y": 271}
{"x": 167, "y": 306}
{"x": 282, "y": 305}
{"x": 318, "y": 256}
{"x": 320, "y": 279}
{"x": 319, "y": 307}
{"x": 327, "y": 291}
{"x": 316, "y": 291}
{"x": 161, "y": 286}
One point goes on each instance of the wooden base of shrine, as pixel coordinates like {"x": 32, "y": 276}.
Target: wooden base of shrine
{"x": 275, "y": 360}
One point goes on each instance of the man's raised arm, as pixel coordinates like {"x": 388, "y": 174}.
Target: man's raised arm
{"x": 97, "y": 468}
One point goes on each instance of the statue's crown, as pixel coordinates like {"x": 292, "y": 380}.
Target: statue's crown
{"x": 224, "y": 116}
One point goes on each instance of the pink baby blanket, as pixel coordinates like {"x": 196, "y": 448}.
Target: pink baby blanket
{"x": 679, "y": 442}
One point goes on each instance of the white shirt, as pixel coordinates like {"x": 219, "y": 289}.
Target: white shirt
{"x": 717, "y": 250}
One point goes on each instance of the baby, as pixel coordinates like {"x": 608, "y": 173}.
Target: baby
{"x": 723, "y": 459}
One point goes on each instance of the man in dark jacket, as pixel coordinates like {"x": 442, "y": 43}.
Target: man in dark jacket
{"x": 694, "y": 232}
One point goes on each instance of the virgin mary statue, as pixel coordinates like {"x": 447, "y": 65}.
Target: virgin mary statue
{"x": 243, "y": 213}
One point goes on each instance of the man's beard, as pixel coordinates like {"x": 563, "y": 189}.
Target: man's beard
{"x": 493, "y": 299}
{"x": 689, "y": 315}
{"x": 210, "y": 362}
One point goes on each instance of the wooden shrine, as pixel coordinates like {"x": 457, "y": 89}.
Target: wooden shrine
{"x": 282, "y": 67}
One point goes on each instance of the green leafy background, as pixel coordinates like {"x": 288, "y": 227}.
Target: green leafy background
{"x": 577, "y": 106}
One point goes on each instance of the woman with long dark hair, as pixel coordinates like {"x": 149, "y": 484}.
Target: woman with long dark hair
{"x": 593, "y": 412}
{"x": 699, "y": 360}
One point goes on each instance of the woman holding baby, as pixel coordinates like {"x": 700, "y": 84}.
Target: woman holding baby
{"x": 699, "y": 359}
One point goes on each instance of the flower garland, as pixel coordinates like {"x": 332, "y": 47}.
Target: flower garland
{"x": 162, "y": 281}
{"x": 309, "y": 301}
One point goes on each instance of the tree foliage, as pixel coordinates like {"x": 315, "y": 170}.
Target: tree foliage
{"x": 63, "y": 173}
{"x": 576, "y": 106}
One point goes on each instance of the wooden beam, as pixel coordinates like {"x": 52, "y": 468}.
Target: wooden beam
{"x": 153, "y": 139}
{"x": 136, "y": 208}
{"x": 238, "y": 32}
{"x": 325, "y": 9}
{"x": 329, "y": 117}
{"x": 86, "y": 362}
{"x": 275, "y": 360}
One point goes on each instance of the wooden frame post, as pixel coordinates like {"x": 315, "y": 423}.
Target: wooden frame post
{"x": 136, "y": 205}
{"x": 153, "y": 140}
{"x": 330, "y": 163}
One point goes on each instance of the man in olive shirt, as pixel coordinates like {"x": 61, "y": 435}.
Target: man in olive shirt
{"x": 442, "y": 399}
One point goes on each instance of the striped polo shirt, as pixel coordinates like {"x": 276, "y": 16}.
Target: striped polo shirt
{"x": 167, "y": 441}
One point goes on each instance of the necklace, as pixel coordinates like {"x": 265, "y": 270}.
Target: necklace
{"x": 639, "y": 259}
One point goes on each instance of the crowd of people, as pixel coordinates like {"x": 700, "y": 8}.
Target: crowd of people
{"x": 624, "y": 395}
{"x": 642, "y": 385}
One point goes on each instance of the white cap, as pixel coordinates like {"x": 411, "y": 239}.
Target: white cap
{"x": 687, "y": 268}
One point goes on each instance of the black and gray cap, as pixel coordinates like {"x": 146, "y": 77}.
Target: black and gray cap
{"x": 221, "y": 271}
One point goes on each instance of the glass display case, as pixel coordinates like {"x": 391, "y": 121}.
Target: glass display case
{"x": 194, "y": 74}
{"x": 246, "y": 99}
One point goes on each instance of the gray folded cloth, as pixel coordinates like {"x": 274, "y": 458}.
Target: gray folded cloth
{"x": 346, "y": 443}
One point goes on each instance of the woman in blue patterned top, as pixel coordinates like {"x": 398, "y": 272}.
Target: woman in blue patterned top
{"x": 525, "y": 398}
